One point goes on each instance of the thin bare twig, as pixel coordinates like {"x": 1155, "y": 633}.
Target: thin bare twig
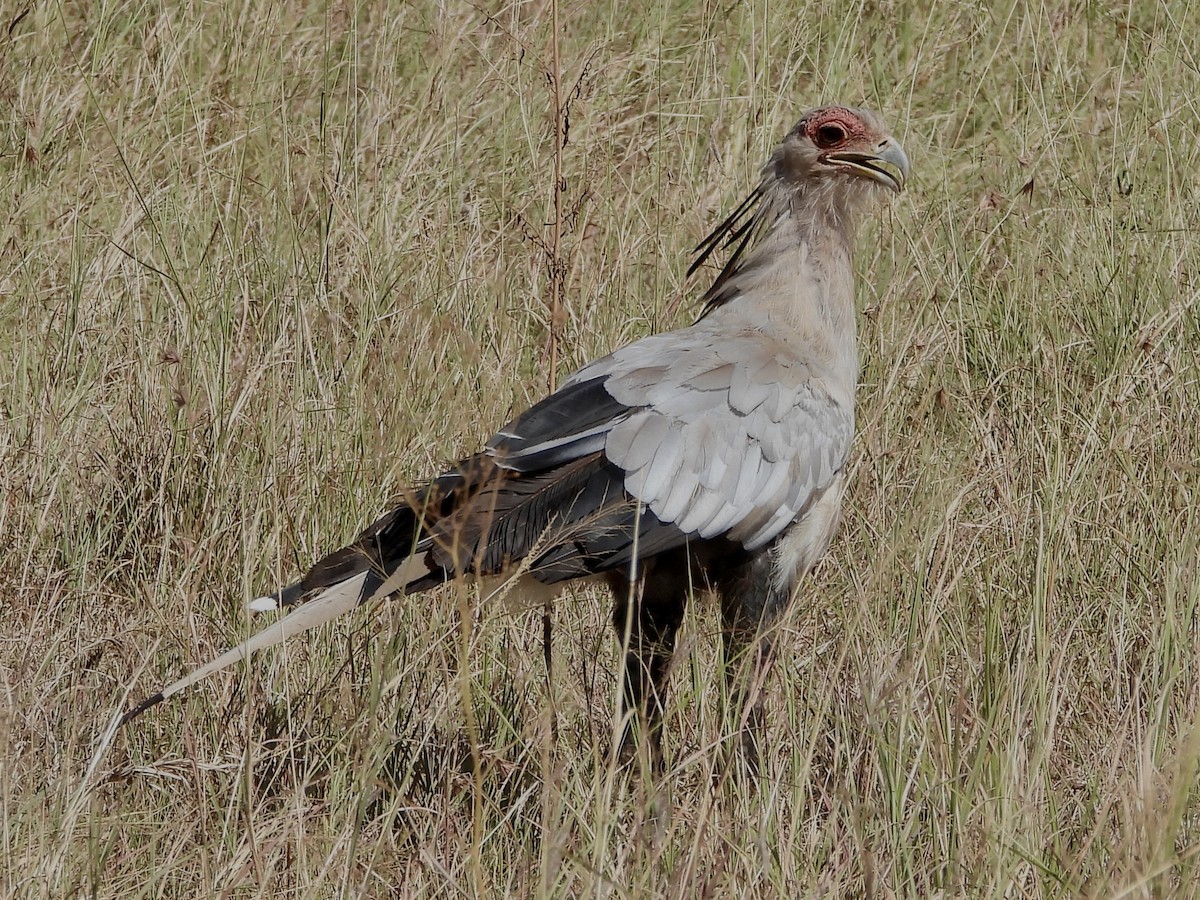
{"x": 556, "y": 269}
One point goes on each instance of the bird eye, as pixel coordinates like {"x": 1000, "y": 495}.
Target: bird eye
{"x": 830, "y": 135}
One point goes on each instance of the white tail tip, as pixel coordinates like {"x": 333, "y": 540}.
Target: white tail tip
{"x": 263, "y": 604}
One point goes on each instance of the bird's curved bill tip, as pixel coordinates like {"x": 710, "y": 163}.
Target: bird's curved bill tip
{"x": 887, "y": 166}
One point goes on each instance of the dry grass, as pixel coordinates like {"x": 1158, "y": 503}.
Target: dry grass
{"x": 263, "y": 264}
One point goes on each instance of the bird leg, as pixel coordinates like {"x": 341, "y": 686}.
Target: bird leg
{"x": 751, "y": 604}
{"x": 647, "y": 615}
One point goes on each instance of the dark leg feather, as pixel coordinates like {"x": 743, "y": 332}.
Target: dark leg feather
{"x": 750, "y": 608}
{"x": 651, "y": 612}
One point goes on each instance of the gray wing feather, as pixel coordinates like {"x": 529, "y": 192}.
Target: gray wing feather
{"x": 679, "y": 498}
{"x": 714, "y": 475}
{"x": 746, "y": 392}
{"x": 711, "y": 379}
{"x": 704, "y": 506}
{"x": 646, "y": 444}
{"x": 721, "y": 522}
{"x": 748, "y": 475}
{"x": 743, "y": 432}
{"x": 656, "y": 475}
{"x": 772, "y": 493}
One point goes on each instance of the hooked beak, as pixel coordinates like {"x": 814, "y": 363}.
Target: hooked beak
{"x": 887, "y": 165}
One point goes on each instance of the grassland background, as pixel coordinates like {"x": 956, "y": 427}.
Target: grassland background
{"x": 262, "y": 264}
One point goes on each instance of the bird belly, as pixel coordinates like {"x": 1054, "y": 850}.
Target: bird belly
{"x": 801, "y": 547}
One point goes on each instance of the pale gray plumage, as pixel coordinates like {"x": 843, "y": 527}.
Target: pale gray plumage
{"x": 711, "y": 455}
{"x": 740, "y": 395}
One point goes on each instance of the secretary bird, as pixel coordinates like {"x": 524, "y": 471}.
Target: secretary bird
{"x": 710, "y": 457}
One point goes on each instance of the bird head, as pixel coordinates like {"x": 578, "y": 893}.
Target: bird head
{"x": 822, "y": 173}
{"x": 841, "y": 150}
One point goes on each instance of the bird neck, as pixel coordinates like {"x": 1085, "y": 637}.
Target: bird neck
{"x": 823, "y": 240}
{"x": 798, "y": 283}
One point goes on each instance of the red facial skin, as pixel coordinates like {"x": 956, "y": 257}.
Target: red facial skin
{"x": 835, "y": 127}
